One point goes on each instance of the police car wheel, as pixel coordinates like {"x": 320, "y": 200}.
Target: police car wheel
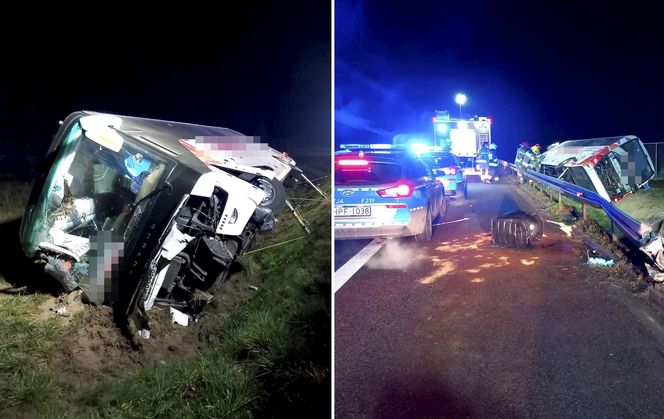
{"x": 461, "y": 193}
{"x": 426, "y": 234}
{"x": 443, "y": 210}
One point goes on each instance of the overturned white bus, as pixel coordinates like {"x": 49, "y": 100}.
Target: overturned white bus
{"x": 611, "y": 166}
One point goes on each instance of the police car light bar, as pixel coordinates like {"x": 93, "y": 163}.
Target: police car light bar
{"x": 366, "y": 146}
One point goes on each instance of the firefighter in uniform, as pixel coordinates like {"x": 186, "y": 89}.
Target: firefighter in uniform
{"x": 518, "y": 160}
{"x": 534, "y": 161}
{"x": 493, "y": 161}
{"x": 530, "y": 158}
{"x": 482, "y": 160}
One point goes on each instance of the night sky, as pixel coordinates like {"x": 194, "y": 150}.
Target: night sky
{"x": 262, "y": 68}
{"x": 543, "y": 71}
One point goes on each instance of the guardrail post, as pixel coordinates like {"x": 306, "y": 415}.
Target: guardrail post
{"x": 614, "y": 237}
{"x": 560, "y": 198}
{"x": 584, "y": 211}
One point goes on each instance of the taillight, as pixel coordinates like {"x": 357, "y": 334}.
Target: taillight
{"x": 353, "y": 162}
{"x": 403, "y": 190}
{"x": 450, "y": 170}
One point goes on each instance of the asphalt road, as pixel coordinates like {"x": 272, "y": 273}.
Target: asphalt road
{"x": 461, "y": 328}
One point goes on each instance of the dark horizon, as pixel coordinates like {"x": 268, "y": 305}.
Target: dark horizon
{"x": 543, "y": 72}
{"x": 259, "y": 69}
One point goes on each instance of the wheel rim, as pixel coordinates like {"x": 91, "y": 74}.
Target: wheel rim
{"x": 265, "y": 185}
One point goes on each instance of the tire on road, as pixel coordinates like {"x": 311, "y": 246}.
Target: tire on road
{"x": 462, "y": 193}
{"x": 443, "y": 210}
{"x": 425, "y": 235}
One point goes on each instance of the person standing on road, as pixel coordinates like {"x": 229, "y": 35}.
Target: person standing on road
{"x": 482, "y": 160}
{"x": 493, "y": 161}
{"x": 518, "y": 160}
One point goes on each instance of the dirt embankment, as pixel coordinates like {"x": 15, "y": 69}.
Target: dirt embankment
{"x": 95, "y": 346}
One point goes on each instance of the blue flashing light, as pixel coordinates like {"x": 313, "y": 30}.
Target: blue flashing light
{"x": 366, "y": 146}
{"x": 418, "y": 147}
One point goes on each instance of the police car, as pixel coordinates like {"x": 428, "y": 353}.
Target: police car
{"x": 447, "y": 168}
{"x": 385, "y": 191}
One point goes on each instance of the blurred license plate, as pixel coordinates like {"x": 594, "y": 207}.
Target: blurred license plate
{"x": 352, "y": 211}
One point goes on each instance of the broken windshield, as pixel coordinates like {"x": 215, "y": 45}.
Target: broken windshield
{"x": 624, "y": 169}
{"x": 91, "y": 188}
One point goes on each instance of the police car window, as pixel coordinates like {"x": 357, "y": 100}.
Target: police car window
{"x": 416, "y": 169}
{"x": 441, "y": 161}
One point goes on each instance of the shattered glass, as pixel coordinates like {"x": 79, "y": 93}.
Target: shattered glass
{"x": 89, "y": 192}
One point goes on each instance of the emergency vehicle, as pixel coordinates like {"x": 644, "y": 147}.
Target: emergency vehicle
{"x": 461, "y": 137}
{"x": 385, "y": 190}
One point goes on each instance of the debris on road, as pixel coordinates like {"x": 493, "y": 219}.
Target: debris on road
{"x": 600, "y": 261}
{"x": 517, "y": 229}
{"x": 656, "y": 275}
{"x": 61, "y": 311}
{"x": 654, "y": 249}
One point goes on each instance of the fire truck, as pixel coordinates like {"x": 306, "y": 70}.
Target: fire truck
{"x": 462, "y": 137}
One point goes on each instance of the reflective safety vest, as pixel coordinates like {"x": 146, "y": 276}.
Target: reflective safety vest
{"x": 493, "y": 158}
{"x": 531, "y": 160}
{"x": 482, "y": 155}
{"x": 518, "y": 160}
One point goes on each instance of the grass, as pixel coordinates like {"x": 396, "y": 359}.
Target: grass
{"x": 570, "y": 209}
{"x": 26, "y": 386}
{"x": 13, "y": 199}
{"x": 644, "y": 204}
{"x": 270, "y": 357}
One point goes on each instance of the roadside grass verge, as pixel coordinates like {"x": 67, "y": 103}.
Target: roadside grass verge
{"x": 25, "y": 347}
{"x": 570, "y": 211}
{"x": 271, "y": 356}
{"x": 646, "y": 204}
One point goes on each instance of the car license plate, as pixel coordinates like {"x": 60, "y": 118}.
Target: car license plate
{"x": 352, "y": 211}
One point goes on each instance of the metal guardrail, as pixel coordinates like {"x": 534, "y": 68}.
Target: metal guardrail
{"x": 630, "y": 227}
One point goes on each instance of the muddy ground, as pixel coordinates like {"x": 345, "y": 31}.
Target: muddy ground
{"x": 95, "y": 345}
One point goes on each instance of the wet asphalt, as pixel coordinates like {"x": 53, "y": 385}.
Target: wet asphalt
{"x": 462, "y": 328}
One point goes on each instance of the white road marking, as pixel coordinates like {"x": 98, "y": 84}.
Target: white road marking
{"x": 343, "y": 274}
{"x": 453, "y": 221}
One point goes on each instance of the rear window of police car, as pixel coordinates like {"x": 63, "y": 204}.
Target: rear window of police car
{"x": 375, "y": 173}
